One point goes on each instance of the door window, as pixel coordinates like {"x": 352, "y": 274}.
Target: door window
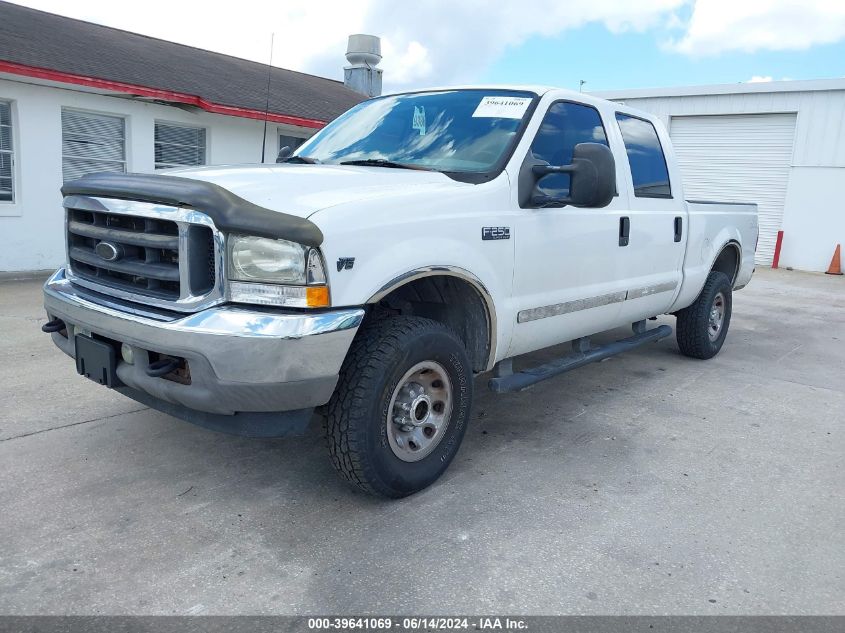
{"x": 564, "y": 126}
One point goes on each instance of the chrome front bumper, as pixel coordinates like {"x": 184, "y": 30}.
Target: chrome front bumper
{"x": 241, "y": 359}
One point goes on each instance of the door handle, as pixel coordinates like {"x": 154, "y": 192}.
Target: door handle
{"x": 679, "y": 228}
{"x": 624, "y": 230}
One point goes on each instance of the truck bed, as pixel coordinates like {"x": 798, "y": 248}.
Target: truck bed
{"x": 711, "y": 226}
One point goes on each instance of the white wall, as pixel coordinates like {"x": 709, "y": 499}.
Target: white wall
{"x": 814, "y": 214}
{"x": 31, "y": 227}
{"x": 814, "y": 220}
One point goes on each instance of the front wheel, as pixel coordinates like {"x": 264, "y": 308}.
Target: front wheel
{"x": 401, "y": 406}
{"x": 703, "y": 326}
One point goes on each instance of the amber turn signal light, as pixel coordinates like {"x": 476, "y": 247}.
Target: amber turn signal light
{"x": 317, "y": 296}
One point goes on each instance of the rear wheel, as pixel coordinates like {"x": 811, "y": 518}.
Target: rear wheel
{"x": 703, "y": 326}
{"x": 401, "y": 406}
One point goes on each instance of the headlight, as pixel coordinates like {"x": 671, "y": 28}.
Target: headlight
{"x": 263, "y": 259}
{"x": 276, "y": 272}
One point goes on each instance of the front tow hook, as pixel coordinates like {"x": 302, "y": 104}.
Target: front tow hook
{"x": 162, "y": 367}
{"x": 56, "y": 325}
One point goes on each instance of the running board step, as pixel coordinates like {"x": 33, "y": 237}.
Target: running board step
{"x": 583, "y": 355}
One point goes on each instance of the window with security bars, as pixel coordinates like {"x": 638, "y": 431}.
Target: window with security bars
{"x": 7, "y": 174}
{"x": 179, "y": 146}
{"x": 290, "y": 141}
{"x": 92, "y": 143}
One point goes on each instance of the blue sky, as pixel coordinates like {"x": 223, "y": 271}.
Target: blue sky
{"x": 594, "y": 54}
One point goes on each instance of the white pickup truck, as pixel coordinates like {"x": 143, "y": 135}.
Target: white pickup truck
{"x": 415, "y": 242}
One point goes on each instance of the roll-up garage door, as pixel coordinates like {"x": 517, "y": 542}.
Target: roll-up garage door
{"x": 738, "y": 158}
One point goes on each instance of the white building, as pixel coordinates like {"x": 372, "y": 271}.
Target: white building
{"x": 77, "y": 98}
{"x": 780, "y": 144}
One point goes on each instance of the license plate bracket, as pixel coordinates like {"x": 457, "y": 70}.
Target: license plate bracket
{"x": 96, "y": 360}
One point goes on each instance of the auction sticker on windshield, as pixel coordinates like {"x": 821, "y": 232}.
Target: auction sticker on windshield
{"x": 502, "y": 107}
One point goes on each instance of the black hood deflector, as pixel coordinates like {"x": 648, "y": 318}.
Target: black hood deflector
{"x": 230, "y": 213}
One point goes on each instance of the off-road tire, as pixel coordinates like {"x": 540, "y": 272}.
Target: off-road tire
{"x": 357, "y": 414}
{"x": 694, "y": 321}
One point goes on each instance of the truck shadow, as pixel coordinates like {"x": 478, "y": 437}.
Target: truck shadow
{"x": 572, "y": 412}
{"x": 569, "y": 415}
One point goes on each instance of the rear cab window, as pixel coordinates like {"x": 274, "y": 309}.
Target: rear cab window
{"x": 645, "y": 157}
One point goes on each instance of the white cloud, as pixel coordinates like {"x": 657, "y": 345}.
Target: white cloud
{"x": 717, "y": 26}
{"x": 442, "y": 42}
{"x": 759, "y": 79}
{"x": 461, "y": 38}
{"x": 408, "y": 65}
{"x": 423, "y": 42}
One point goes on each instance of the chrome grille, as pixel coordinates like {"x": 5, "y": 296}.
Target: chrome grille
{"x": 151, "y": 258}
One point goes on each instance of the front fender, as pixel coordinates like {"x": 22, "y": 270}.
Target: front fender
{"x": 379, "y": 271}
{"x": 400, "y": 237}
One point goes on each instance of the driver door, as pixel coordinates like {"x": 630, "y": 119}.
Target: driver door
{"x": 568, "y": 278}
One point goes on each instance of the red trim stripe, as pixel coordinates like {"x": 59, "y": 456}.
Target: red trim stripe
{"x": 155, "y": 93}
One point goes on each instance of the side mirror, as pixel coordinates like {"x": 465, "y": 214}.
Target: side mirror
{"x": 284, "y": 154}
{"x": 592, "y": 174}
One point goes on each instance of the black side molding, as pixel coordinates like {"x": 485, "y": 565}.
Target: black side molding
{"x": 230, "y": 212}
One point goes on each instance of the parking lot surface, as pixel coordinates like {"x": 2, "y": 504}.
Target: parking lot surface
{"x": 646, "y": 484}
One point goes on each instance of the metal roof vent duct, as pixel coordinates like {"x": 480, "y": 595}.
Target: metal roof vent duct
{"x": 363, "y": 54}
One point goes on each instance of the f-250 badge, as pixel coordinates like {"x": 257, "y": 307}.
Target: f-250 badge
{"x": 495, "y": 233}
{"x": 345, "y": 263}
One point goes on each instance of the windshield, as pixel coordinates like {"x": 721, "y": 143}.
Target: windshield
{"x": 451, "y": 131}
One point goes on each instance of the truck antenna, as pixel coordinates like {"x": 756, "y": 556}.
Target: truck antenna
{"x": 581, "y": 85}
{"x": 267, "y": 102}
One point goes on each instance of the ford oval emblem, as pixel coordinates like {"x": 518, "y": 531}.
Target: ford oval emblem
{"x": 107, "y": 251}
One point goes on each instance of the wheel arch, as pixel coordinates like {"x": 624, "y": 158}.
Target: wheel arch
{"x": 473, "y": 319}
{"x": 728, "y": 260}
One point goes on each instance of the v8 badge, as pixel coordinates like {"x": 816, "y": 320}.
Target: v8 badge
{"x": 345, "y": 263}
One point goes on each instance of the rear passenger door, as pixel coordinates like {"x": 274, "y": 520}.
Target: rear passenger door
{"x": 654, "y": 254}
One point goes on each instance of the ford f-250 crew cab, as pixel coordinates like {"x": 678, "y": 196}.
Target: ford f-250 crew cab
{"x": 418, "y": 240}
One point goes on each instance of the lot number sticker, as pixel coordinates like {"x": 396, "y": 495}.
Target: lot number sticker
{"x": 502, "y": 107}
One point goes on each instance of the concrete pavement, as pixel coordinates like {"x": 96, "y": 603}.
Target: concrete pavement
{"x": 646, "y": 484}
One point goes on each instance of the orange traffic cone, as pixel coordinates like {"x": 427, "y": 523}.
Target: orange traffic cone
{"x": 835, "y": 263}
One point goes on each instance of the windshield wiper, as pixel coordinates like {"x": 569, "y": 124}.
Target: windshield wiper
{"x": 301, "y": 159}
{"x": 381, "y": 162}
